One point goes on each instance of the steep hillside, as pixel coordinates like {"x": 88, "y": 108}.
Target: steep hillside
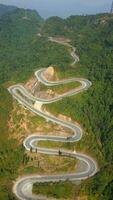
{"x": 22, "y": 47}
{"x": 6, "y": 9}
{"x": 93, "y": 37}
{"x": 17, "y": 32}
{"x": 56, "y": 26}
{"x": 22, "y": 50}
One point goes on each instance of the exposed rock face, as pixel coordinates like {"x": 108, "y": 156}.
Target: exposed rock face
{"x": 49, "y": 73}
{"x": 65, "y": 118}
{"x": 31, "y": 83}
{"x": 37, "y": 105}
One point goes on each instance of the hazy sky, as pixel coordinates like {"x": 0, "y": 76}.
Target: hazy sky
{"x": 63, "y": 8}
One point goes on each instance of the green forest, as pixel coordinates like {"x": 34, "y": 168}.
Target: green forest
{"x": 93, "y": 38}
{"x": 22, "y": 51}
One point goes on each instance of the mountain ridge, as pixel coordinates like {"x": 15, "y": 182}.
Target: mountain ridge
{"x": 6, "y": 9}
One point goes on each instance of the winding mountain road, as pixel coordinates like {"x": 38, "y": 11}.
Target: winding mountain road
{"x": 23, "y": 186}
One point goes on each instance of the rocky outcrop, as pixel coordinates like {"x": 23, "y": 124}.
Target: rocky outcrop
{"x": 49, "y": 73}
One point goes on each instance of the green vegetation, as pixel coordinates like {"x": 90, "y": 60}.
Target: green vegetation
{"x": 9, "y": 150}
{"x": 92, "y": 109}
{"x": 54, "y": 26}
{"x": 56, "y": 190}
{"x": 60, "y": 89}
{"x": 6, "y": 9}
{"x": 16, "y": 37}
{"x": 52, "y": 145}
{"x": 68, "y": 190}
{"x": 21, "y": 52}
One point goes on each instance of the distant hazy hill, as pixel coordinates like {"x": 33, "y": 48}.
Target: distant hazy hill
{"x": 56, "y": 26}
{"x": 6, "y": 9}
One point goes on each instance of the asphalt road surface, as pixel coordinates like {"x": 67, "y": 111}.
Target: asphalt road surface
{"x": 23, "y": 186}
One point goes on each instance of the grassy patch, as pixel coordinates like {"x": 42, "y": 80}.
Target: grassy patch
{"x": 60, "y": 89}
{"x": 60, "y": 190}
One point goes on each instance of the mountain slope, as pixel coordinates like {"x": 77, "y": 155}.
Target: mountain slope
{"x": 6, "y": 9}
{"x": 22, "y": 51}
{"x": 17, "y": 31}
{"x": 93, "y": 38}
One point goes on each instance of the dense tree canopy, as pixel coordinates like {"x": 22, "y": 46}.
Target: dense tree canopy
{"x": 22, "y": 51}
